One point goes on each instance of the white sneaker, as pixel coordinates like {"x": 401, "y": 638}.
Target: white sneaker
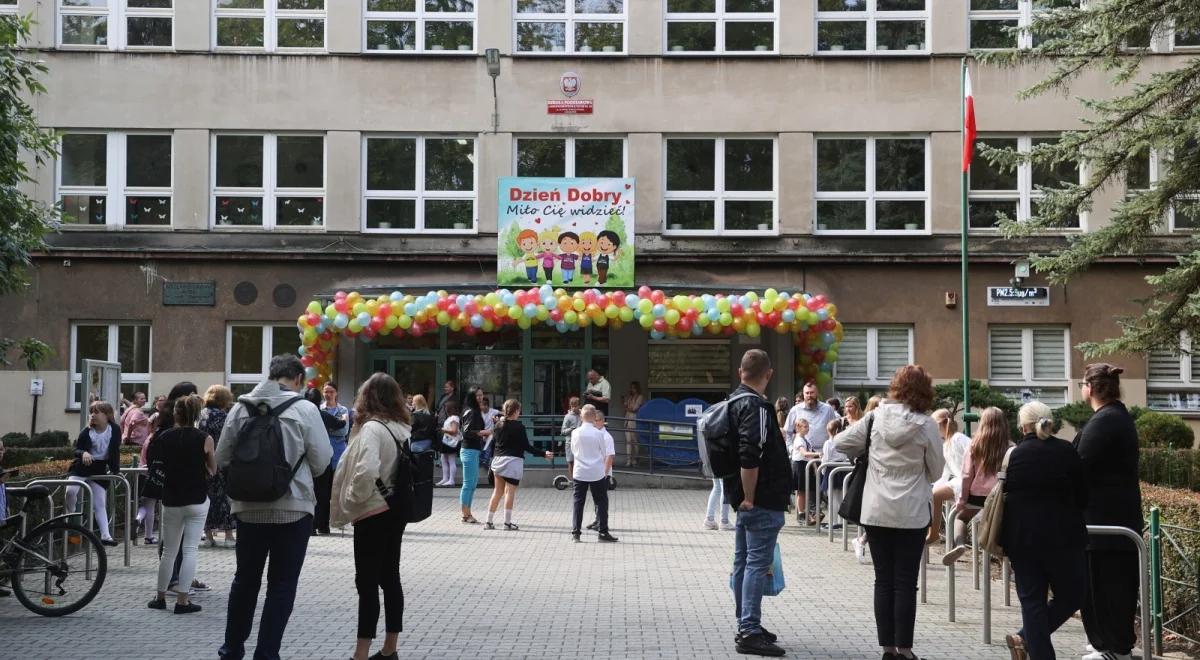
{"x": 727, "y": 526}
{"x": 710, "y": 524}
{"x": 1107, "y": 655}
{"x": 951, "y": 557}
{"x": 860, "y": 551}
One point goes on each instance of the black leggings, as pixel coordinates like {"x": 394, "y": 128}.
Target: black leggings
{"x": 377, "y": 566}
{"x": 896, "y": 554}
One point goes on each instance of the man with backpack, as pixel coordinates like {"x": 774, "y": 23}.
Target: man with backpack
{"x": 758, "y": 490}
{"x": 272, "y": 447}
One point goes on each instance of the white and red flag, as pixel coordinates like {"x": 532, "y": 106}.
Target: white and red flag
{"x": 968, "y": 121}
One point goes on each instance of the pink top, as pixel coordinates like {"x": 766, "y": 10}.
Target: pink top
{"x": 135, "y": 426}
{"x": 973, "y": 483}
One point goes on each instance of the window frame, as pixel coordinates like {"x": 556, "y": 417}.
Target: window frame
{"x": 1024, "y": 15}
{"x": 869, "y": 194}
{"x": 874, "y": 379}
{"x": 871, "y": 16}
{"x": 569, "y": 149}
{"x": 1185, "y": 383}
{"x": 569, "y": 18}
{"x": 720, "y": 18}
{"x": 271, "y": 15}
{"x": 719, "y": 195}
{"x": 419, "y": 193}
{"x": 269, "y": 191}
{"x": 268, "y": 349}
{"x": 115, "y": 188}
{"x": 420, "y": 17}
{"x": 1155, "y": 168}
{"x": 114, "y": 334}
{"x": 1026, "y": 194}
{"x": 117, "y": 13}
{"x": 9, "y": 9}
{"x": 1028, "y": 381}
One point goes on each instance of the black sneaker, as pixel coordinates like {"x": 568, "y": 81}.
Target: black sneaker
{"x": 186, "y": 609}
{"x": 4, "y": 593}
{"x": 112, "y": 543}
{"x": 575, "y": 536}
{"x": 157, "y": 604}
{"x": 380, "y": 656}
{"x": 758, "y": 645}
{"x": 594, "y": 526}
{"x": 767, "y": 634}
{"x": 608, "y": 538}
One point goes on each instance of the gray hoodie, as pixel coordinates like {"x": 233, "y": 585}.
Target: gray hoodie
{"x": 303, "y": 435}
{"x": 906, "y": 457}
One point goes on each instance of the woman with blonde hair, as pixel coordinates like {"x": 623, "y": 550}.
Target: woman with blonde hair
{"x": 424, "y": 426}
{"x": 97, "y": 452}
{"x": 218, "y": 399}
{"x": 955, "y": 446}
{"x": 979, "y": 473}
{"x": 512, "y": 441}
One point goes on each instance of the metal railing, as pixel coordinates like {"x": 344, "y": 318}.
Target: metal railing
{"x": 660, "y": 446}
{"x": 87, "y": 509}
{"x": 127, "y": 532}
{"x": 1168, "y": 537}
{"x": 839, "y": 469}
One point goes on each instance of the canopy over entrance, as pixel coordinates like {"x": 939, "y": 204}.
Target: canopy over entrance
{"x": 810, "y": 319}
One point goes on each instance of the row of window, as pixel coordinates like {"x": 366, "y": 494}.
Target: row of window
{"x": 723, "y": 185}
{"x": 582, "y": 27}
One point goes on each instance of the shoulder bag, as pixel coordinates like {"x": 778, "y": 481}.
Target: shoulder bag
{"x": 851, "y": 507}
{"x": 991, "y": 518}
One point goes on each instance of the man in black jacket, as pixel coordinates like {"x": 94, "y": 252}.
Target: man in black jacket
{"x": 759, "y": 494}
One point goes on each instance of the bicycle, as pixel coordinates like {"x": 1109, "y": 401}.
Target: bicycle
{"x": 57, "y": 568}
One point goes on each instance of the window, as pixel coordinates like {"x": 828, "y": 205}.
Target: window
{"x": 249, "y": 349}
{"x": 269, "y": 25}
{"x": 992, "y": 20}
{"x": 869, "y": 355}
{"x": 1028, "y": 363}
{"x": 688, "y": 368}
{"x": 8, "y": 7}
{"x": 872, "y": 185}
{"x": 420, "y": 26}
{"x": 721, "y": 26}
{"x": 268, "y": 181}
{"x": 126, "y": 343}
{"x": 721, "y": 185}
{"x": 570, "y": 157}
{"x": 572, "y": 26}
{"x": 114, "y": 24}
{"x": 872, "y": 26}
{"x": 1013, "y": 193}
{"x": 1173, "y": 377}
{"x": 1145, "y": 170}
{"x": 416, "y": 184}
{"x": 115, "y": 179}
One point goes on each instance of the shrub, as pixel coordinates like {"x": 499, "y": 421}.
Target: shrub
{"x": 51, "y": 439}
{"x": 1179, "y": 509}
{"x": 1076, "y": 414}
{"x": 27, "y": 455}
{"x": 1174, "y": 468}
{"x": 15, "y": 439}
{"x": 1157, "y": 429}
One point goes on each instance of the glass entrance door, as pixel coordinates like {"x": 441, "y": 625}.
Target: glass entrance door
{"x": 555, "y": 381}
{"x": 417, "y": 377}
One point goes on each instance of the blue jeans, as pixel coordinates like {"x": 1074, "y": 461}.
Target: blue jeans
{"x": 470, "y": 466}
{"x": 286, "y": 545}
{"x": 753, "y": 551}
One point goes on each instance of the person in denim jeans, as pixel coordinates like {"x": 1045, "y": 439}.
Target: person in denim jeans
{"x": 759, "y": 493}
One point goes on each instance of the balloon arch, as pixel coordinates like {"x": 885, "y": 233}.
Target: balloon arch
{"x": 810, "y": 319}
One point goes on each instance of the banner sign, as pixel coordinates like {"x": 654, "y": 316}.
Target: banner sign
{"x": 565, "y": 232}
{"x": 1018, "y": 296}
{"x": 569, "y": 107}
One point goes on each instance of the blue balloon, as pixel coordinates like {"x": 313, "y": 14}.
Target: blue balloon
{"x": 301, "y": 352}
{"x": 546, "y": 290}
{"x": 562, "y": 327}
{"x": 655, "y": 334}
{"x": 659, "y": 310}
{"x": 827, "y": 338}
{"x": 311, "y": 372}
{"x": 341, "y": 321}
{"x": 631, "y": 300}
{"x": 364, "y": 319}
{"x": 509, "y": 299}
{"x": 410, "y": 309}
{"x": 697, "y": 330}
{"x": 822, "y": 313}
{"x": 476, "y": 321}
{"x": 789, "y": 315}
{"x": 396, "y": 296}
{"x": 530, "y": 310}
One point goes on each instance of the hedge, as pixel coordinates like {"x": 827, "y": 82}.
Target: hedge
{"x": 1156, "y": 429}
{"x": 26, "y": 455}
{"x": 1173, "y": 468}
{"x": 43, "y": 439}
{"x": 1180, "y": 509}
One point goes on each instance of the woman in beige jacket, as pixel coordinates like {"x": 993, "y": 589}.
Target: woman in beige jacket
{"x": 382, "y": 422}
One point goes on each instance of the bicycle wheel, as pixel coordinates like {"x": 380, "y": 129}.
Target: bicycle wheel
{"x": 58, "y": 569}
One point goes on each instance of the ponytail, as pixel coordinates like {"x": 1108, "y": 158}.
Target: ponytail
{"x": 1044, "y": 428}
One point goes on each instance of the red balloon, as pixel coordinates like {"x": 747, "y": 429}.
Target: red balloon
{"x": 307, "y": 360}
{"x": 618, "y": 298}
{"x": 339, "y": 295}
{"x": 660, "y": 325}
{"x": 760, "y": 318}
{"x": 369, "y": 333}
{"x": 452, "y": 310}
{"x": 685, "y": 325}
{"x": 736, "y": 309}
{"x": 657, "y": 297}
{"x": 416, "y": 330}
{"x": 692, "y": 314}
{"x": 488, "y": 312}
{"x": 774, "y": 319}
{"x": 556, "y": 315}
{"x": 376, "y": 324}
{"x": 312, "y": 319}
{"x": 341, "y": 306}
{"x": 643, "y": 291}
{"x": 471, "y": 308}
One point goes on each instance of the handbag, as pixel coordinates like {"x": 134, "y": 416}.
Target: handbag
{"x": 775, "y": 581}
{"x": 851, "y": 507}
{"x": 991, "y": 518}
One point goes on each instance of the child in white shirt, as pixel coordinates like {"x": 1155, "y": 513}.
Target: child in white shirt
{"x": 802, "y": 452}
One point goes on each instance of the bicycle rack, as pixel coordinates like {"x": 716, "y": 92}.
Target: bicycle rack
{"x": 119, "y": 480}
{"x": 85, "y": 505}
{"x": 846, "y": 525}
{"x": 810, "y": 472}
{"x": 838, "y": 468}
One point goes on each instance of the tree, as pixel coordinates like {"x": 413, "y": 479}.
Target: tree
{"x": 24, "y": 221}
{"x": 1151, "y": 112}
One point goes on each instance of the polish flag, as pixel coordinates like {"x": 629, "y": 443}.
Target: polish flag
{"x": 968, "y": 122}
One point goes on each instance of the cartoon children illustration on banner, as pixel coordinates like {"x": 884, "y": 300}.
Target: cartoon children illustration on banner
{"x": 565, "y": 232}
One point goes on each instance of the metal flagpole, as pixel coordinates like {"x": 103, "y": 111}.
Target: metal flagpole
{"x": 968, "y": 417}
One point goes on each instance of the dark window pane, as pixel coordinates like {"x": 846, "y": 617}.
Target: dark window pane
{"x": 309, "y": 5}
{"x": 599, "y": 6}
{"x": 240, "y": 4}
{"x": 749, "y": 165}
{"x": 599, "y": 158}
{"x": 743, "y": 36}
{"x": 841, "y": 215}
{"x": 985, "y": 214}
{"x": 749, "y": 6}
{"x": 900, "y": 215}
{"x": 1187, "y": 38}
{"x": 837, "y": 36}
{"x": 284, "y": 339}
{"x": 749, "y": 216}
{"x": 899, "y": 5}
{"x": 993, "y": 34}
{"x": 85, "y": 30}
{"x": 299, "y": 211}
{"x": 691, "y": 165}
{"x": 546, "y": 158}
{"x": 449, "y": 35}
{"x": 148, "y": 161}
{"x": 692, "y": 6}
{"x": 449, "y": 214}
{"x": 84, "y": 159}
{"x": 239, "y": 161}
{"x": 691, "y": 36}
{"x": 900, "y": 35}
{"x": 391, "y": 5}
{"x": 1070, "y": 222}
{"x": 457, "y": 6}
{"x": 993, "y": 5}
{"x": 147, "y": 210}
{"x": 541, "y": 6}
{"x": 1137, "y": 176}
{"x": 841, "y": 165}
{"x": 300, "y": 160}
{"x": 148, "y": 31}
{"x": 989, "y": 177}
{"x": 391, "y": 164}
{"x": 1187, "y": 214}
{"x": 246, "y": 349}
{"x": 133, "y": 348}
{"x": 84, "y": 209}
{"x": 599, "y": 37}
{"x": 391, "y": 214}
{"x": 691, "y": 214}
{"x": 900, "y": 165}
{"x": 149, "y": 4}
{"x": 91, "y": 343}
{"x": 841, "y": 5}
{"x": 240, "y": 32}
{"x": 391, "y": 35}
{"x": 1054, "y": 175}
{"x": 450, "y": 164}
{"x": 239, "y": 211}
{"x": 541, "y": 37}
{"x": 301, "y": 33}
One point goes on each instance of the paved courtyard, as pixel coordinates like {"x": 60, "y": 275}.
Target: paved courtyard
{"x": 659, "y": 593}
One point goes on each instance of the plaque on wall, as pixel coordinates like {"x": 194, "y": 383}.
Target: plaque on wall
{"x": 202, "y": 294}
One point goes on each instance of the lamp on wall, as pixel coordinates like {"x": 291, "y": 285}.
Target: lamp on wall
{"x": 492, "y": 56}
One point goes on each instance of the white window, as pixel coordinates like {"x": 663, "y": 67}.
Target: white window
{"x": 992, "y": 21}
{"x": 874, "y": 185}
{"x": 1173, "y": 377}
{"x": 721, "y": 26}
{"x": 269, "y": 25}
{"x": 570, "y": 157}
{"x": 420, "y": 26}
{"x": 268, "y": 181}
{"x": 1014, "y": 192}
{"x": 126, "y": 342}
{"x": 8, "y": 7}
{"x": 899, "y": 27}
{"x": 1029, "y": 362}
{"x": 572, "y": 26}
{"x": 721, "y": 186}
{"x": 249, "y": 349}
{"x": 419, "y": 184}
{"x": 115, "y": 179}
{"x": 869, "y": 355}
{"x": 115, "y": 24}
{"x": 1144, "y": 173}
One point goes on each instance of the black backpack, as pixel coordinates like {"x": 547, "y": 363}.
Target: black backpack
{"x": 411, "y": 494}
{"x": 717, "y": 439}
{"x": 259, "y": 470}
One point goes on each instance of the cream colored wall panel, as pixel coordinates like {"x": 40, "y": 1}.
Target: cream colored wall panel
{"x": 645, "y": 26}
{"x": 797, "y": 27}
{"x": 190, "y": 205}
{"x": 193, "y": 26}
{"x": 495, "y": 157}
{"x": 645, "y": 154}
{"x": 344, "y": 26}
{"x": 948, "y": 26}
{"x": 796, "y": 162}
{"x": 945, "y": 188}
{"x": 495, "y": 28}
{"x": 343, "y": 181}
